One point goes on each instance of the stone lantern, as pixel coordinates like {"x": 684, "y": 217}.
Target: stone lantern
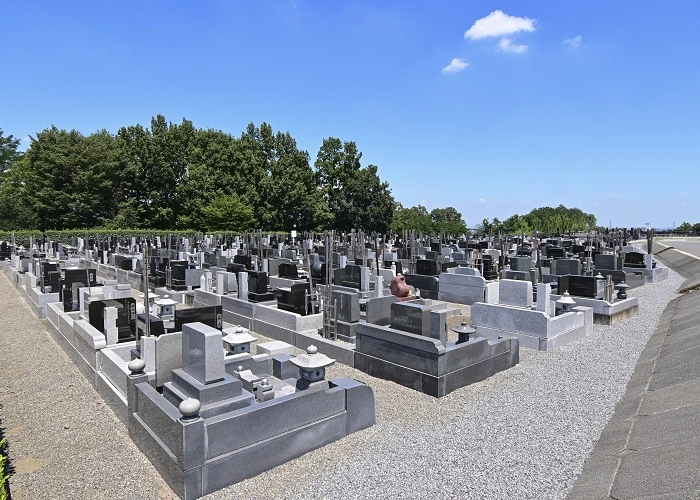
{"x": 238, "y": 340}
{"x": 622, "y": 290}
{"x": 165, "y": 308}
{"x": 566, "y": 302}
{"x": 312, "y": 365}
{"x": 463, "y": 330}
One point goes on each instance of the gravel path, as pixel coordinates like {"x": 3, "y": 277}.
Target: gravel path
{"x": 523, "y": 433}
{"x": 65, "y": 442}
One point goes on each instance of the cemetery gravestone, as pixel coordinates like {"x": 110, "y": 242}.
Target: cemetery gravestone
{"x": 410, "y": 317}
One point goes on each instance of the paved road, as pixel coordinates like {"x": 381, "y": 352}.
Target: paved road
{"x": 691, "y": 246}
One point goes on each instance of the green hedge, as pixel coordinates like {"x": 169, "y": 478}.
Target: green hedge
{"x": 66, "y": 236}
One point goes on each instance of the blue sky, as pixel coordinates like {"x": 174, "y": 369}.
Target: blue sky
{"x": 494, "y": 108}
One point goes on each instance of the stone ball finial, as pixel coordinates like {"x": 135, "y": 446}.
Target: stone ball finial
{"x": 312, "y": 349}
{"x": 136, "y": 366}
{"x": 189, "y": 408}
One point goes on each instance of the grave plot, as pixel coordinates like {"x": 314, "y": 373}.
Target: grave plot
{"x": 536, "y": 328}
{"x": 598, "y": 293}
{"x": 218, "y": 422}
{"x": 413, "y": 350}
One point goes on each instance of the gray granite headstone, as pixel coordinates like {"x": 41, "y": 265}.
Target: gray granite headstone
{"x": 515, "y": 293}
{"x": 438, "y": 325}
{"x": 347, "y": 305}
{"x": 520, "y": 263}
{"x": 192, "y": 276}
{"x": 544, "y": 301}
{"x": 202, "y": 352}
{"x": 110, "y": 325}
{"x": 467, "y": 271}
{"x": 379, "y": 310}
{"x": 243, "y": 285}
{"x": 562, "y": 267}
{"x": 364, "y": 279}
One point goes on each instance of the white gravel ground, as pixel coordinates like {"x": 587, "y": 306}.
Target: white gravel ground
{"x": 523, "y": 433}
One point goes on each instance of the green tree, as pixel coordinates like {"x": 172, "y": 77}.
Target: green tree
{"x": 227, "y": 213}
{"x": 356, "y": 196}
{"x": 485, "y": 227}
{"x": 516, "y": 224}
{"x": 8, "y": 152}
{"x": 448, "y": 220}
{"x": 15, "y": 208}
{"x": 15, "y": 212}
{"x": 70, "y": 179}
{"x": 294, "y": 200}
{"x": 685, "y": 227}
{"x": 154, "y": 162}
{"x": 550, "y": 220}
{"x": 414, "y": 218}
{"x": 214, "y": 170}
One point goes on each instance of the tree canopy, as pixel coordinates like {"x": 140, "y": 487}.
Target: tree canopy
{"x": 174, "y": 176}
{"x": 546, "y": 220}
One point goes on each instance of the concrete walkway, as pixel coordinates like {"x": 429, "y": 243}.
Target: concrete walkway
{"x": 650, "y": 447}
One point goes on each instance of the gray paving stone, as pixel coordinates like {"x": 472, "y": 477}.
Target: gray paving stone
{"x": 666, "y": 470}
{"x": 672, "y": 397}
{"x": 671, "y": 427}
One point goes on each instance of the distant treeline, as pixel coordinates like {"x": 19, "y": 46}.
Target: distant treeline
{"x": 177, "y": 177}
{"x": 687, "y": 227}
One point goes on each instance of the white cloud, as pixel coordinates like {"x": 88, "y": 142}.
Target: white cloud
{"x": 573, "y": 42}
{"x": 506, "y": 45}
{"x": 482, "y": 200}
{"x": 455, "y": 66}
{"x": 498, "y": 23}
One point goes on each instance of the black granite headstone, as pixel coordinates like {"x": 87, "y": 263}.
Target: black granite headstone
{"x": 432, "y": 255}
{"x": 581, "y": 286}
{"x": 635, "y": 260}
{"x": 157, "y": 327}
{"x": 448, "y": 265}
{"x": 243, "y": 259}
{"x": 293, "y": 299}
{"x": 555, "y": 252}
{"x": 79, "y": 276}
{"x": 410, "y": 317}
{"x": 209, "y": 315}
{"x": 257, "y": 282}
{"x": 426, "y": 267}
{"x": 428, "y": 285}
{"x": 288, "y": 270}
{"x": 126, "y": 316}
